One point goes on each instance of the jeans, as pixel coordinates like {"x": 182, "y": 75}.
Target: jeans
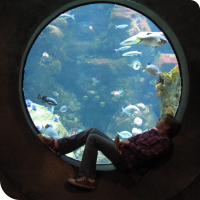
{"x": 94, "y": 140}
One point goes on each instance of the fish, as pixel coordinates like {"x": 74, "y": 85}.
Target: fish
{"x": 137, "y": 38}
{"x": 125, "y": 134}
{"x": 153, "y": 39}
{"x": 116, "y": 93}
{"x": 121, "y": 26}
{"x": 49, "y": 131}
{"x": 48, "y": 100}
{"x": 134, "y": 39}
{"x": 152, "y": 69}
{"x": 55, "y": 93}
{"x": 132, "y": 53}
{"x": 122, "y": 48}
{"x": 64, "y": 108}
{"x": 130, "y": 110}
{"x": 65, "y": 16}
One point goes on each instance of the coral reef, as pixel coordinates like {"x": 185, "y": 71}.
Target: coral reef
{"x": 118, "y": 63}
{"x": 165, "y": 61}
{"x": 41, "y": 117}
{"x": 120, "y": 11}
{"x": 54, "y": 31}
{"x": 169, "y": 91}
{"x": 135, "y": 25}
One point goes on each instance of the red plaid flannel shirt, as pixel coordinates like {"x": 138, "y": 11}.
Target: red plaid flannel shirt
{"x": 143, "y": 149}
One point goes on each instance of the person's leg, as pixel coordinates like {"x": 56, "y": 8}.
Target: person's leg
{"x": 106, "y": 146}
{"x": 69, "y": 144}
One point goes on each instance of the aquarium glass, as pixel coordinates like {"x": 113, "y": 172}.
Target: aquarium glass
{"x": 100, "y": 65}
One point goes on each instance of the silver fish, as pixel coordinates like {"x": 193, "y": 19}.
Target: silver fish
{"x": 64, "y": 108}
{"x": 153, "y": 39}
{"x": 152, "y": 69}
{"x": 121, "y": 26}
{"x": 123, "y": 48}
{"x": 136, "y": 38}
{"x": 65, "y": 16}
{"x": 125, "y": 134}
{"x": 132, "y": 53}
{"x": 130, "y": 110}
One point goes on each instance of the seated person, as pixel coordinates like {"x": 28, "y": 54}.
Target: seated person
{"x": 134, "y": 155}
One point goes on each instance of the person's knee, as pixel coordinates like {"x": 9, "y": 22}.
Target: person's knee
{"x": 94, "y": 130}
{"x": 91, "y": 138}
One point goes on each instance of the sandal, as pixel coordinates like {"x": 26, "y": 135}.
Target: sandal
{"x": 82, "y": 182}
{"x": 49, "y": 142}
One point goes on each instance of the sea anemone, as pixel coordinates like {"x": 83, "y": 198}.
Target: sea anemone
{"x": 56, "y": 119}
{"x": 34, "y": 107}
{"x": 138, "y": 121}
{"x": 28, "y": 102}
{"x": 136, "y": 131}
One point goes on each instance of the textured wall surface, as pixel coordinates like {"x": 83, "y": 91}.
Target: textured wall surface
{"x": 26, "y": 163}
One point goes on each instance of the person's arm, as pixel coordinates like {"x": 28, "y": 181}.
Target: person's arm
{"x": 118, "y": 145}
{"x": 154, "y": 146}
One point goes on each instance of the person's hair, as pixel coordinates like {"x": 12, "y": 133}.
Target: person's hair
{"x": 174, "y": 125}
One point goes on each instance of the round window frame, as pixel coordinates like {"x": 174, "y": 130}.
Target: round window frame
{"x": 156, "y": 19}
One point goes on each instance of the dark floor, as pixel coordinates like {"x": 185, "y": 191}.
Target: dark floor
{"x": 27, "y": 165}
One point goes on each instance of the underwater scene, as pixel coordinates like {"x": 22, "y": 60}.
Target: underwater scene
{"x": 100, "y": 65}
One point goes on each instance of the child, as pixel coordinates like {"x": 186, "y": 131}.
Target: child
{"x": 135, "y": 154}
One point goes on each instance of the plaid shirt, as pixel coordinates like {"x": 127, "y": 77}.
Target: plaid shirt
{"x": 143, "y": 149}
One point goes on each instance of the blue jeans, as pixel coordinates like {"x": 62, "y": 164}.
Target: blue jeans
{"x": 94, "y": 140}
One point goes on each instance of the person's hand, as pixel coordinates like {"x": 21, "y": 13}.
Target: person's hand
{"x": 123, "y": 143}
{"x": 116, "y": 144}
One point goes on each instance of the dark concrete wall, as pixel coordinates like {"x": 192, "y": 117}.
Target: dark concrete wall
{"x": 29, "y": 165}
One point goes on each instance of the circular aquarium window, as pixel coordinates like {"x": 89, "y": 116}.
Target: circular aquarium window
{"x": 100, "y": 65}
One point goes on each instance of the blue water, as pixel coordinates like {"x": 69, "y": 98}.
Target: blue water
{"x": 83, "y": 70}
